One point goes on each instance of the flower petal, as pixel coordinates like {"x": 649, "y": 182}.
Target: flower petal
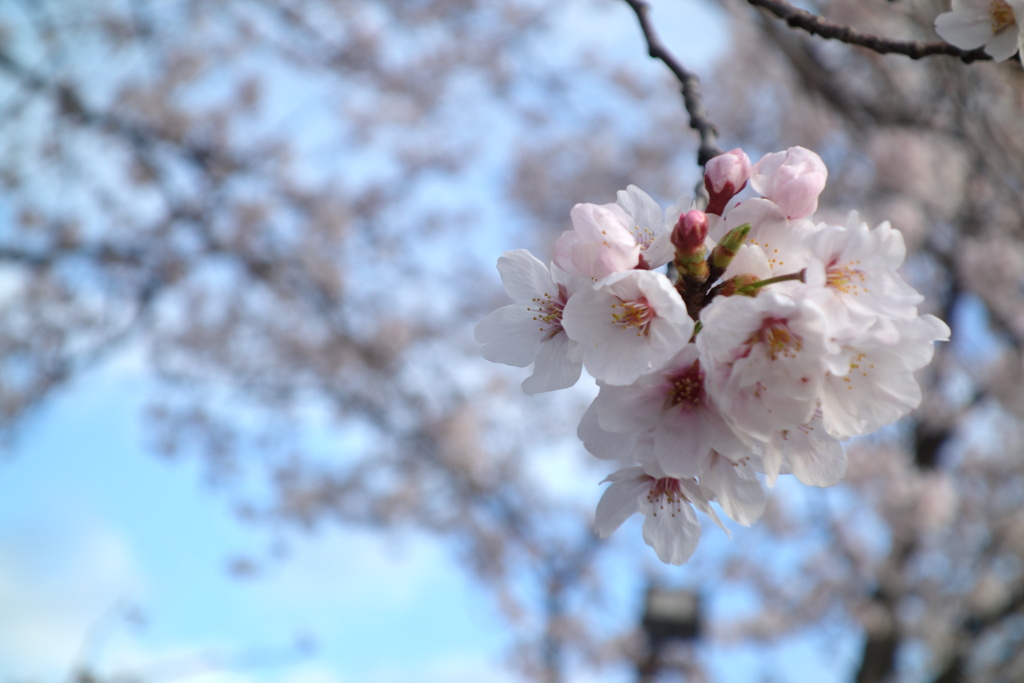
{"x": 554, "y": 368}
{"x": 524, "y": 276}
{"x": 736, "y": 488}
{"x": 600, "y": 442}
{"x": 508, "y": 336}
{"x": 673, "y": 536}
{"x": 619, "y": 502}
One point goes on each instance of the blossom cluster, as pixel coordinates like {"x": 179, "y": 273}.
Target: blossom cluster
{"x": 996, "y": 25}
{"x": 729, "y": 345}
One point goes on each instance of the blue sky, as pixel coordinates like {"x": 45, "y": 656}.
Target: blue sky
{"x": 93, "y": 524}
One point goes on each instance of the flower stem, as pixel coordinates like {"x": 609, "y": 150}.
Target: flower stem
{"x": 798, "y": 276}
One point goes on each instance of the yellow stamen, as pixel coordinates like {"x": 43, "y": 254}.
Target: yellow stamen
{"x": 776, "y": 336}
{"x": 1001, "y": 14}
{"x": 634, "y": 315}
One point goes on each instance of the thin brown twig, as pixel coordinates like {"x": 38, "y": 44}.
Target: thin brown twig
{"x": 692, "y": 99}
{"x": 815, "y": 25}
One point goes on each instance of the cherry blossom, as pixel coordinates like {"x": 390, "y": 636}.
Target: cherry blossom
{"x": 872, "y": 384}
{"x": 779, "y": 339}
{"x": 670, "y": 523}
{"x": 995, "y": 25}
{"x": 651, "y": 226}
{"x": 855, "y": 273}
{"x": 627, "y": 324}
{"x": 765, "y": 360}
{"x": 530, "y": 330}
{"x": 601, "y": 242}
{"x": 792, "y": 179}
{"x": 784, "y": 243}
{"x": 674, "y": 407}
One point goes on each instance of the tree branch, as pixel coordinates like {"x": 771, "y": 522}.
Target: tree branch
{"x": 692, "y": 99}
{"x": 140, "y": 136}
{"x": 815, "y": 25}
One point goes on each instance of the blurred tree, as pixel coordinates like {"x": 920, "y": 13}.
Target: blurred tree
{"x": 282, "y": 211}
{"x": 278, "y": 210}
{"x": 919, "y": 548}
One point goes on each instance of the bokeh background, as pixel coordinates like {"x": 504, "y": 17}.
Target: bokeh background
{"x": 246, "y": 432}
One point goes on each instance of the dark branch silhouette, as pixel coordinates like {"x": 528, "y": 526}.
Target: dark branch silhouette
{"x": 815, "y": 25}
{"x": 692, "y": 99}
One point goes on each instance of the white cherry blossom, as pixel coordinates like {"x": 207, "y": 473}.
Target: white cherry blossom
{"x": 774, "y": 345}
{"x": 674, "y": 407}
{"x": 530, "y": 330}
{"x": 627, "y": 324}
{"x": 855, "y": 280}
{"x": 775, "y": 245}
{"x": 872, "y": 384}
{"x": 652, "y": 227}
{"x": 670, "y": 523}
{"x": 995, "y": 25}
{"x": 765, "y": 360}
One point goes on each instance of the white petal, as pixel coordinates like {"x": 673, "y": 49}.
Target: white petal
{"x": 620, "y": 501}
{"x": 509, "y": 336}
{"x": 660, "y": 251}
{"x": 700, "y": 501}
{"x": 644, "y": 211}
{"x": 772, "y": 462}
{"x": 524, "y": 276}
{"x": 673, "y": 536}
{"x": 554, "y": 368}
{"x": 964, "y": 31}
{"x": 822, "y": 465}
{"x": 601, "y": 443}
{"x": 680, "y": 445}
{"x": 736, "y": 488}
{"x": 625, "y": 474}
{"x": 632, "y": 408}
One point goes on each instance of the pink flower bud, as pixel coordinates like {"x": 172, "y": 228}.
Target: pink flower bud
{"x": 724, "y": 177}
{"x": 600, "y": 243}
{"x": 690, "y": 232}
{"x": 792, "y": 180}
